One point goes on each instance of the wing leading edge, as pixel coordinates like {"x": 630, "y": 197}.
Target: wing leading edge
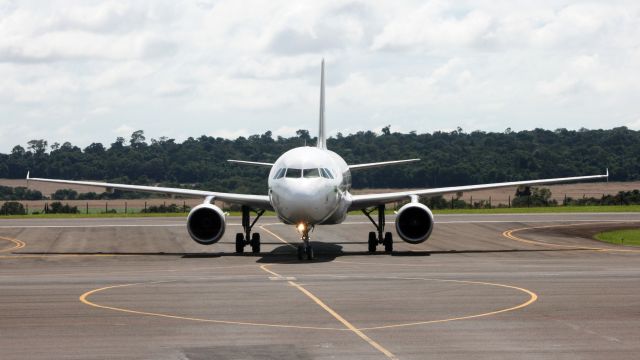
{"x": 368, "y": 200}
{"x": 382, "y": 163}
{"x": 254, "y": 201}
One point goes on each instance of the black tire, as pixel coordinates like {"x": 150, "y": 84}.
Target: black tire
{"x": 255, "y": 243}
{"x": 310, "y": 254}
{"x": 300, "y": 252}
{"x": 388, "y": 242}
{"x": 239, "y": 243}
{"x": 373, "y": 242}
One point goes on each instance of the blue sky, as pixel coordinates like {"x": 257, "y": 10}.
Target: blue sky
{"x": 85, "y": 71}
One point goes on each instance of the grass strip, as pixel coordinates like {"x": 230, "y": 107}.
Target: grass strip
{"x": 630, "y": 237}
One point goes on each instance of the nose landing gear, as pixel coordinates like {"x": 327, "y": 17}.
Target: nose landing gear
{"x": 381, "y": 237}
{"x": 248, "y": 238}
{"x": 305, "y": 250}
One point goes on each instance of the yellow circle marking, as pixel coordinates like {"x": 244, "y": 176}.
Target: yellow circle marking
{"x": 509, "y": 234}
{"x": 84, "y": 298}
{"x": 18, "y": 244}
{"x": 533, "y": 297}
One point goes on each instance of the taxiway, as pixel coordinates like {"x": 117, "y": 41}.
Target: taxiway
{"x": 482, "y": 287}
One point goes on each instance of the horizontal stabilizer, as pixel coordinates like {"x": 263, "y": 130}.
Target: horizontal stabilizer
{"x": 251, "y": 163}
{"x": 383, "y": 163}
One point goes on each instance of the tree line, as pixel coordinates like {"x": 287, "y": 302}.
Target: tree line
{"x": 448, "y": 158}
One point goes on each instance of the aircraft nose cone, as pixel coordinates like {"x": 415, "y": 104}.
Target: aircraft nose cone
{"x": 310, "y": 204}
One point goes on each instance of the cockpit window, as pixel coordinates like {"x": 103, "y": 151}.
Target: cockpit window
{"x": 294, "y": 173}
{"x": 326, "y": 173}
{"x": 311, "y": 173}
{"x": 280, "y": 173}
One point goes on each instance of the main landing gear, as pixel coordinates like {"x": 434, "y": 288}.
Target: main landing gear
{"x": 248, "y": 238}
{"x": 381, "y": 237}
{"x": 305, "y": 250}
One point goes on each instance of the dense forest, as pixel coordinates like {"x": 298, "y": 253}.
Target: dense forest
{"x": 448, "y": 158}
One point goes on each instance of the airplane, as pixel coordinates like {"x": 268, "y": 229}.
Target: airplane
{"x": 309, "y": 186}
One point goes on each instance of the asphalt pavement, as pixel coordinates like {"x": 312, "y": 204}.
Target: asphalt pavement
{"x": 482, "y": 287}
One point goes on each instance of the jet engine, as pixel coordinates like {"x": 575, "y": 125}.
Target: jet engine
{"x": 414, "y": 222}
{"x": 206, "y": 224}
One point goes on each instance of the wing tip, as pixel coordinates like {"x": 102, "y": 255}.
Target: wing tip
{"x": 28, "y": 174}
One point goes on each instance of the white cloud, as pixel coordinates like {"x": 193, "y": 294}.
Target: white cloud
{"x": 184, "y": 68}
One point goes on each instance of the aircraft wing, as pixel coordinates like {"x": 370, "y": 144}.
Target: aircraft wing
{"x": 254, "y": 201}
{"x": 368, "y": 200}
{"x": 378, "y": 164}
{"x": 265, "y": 164}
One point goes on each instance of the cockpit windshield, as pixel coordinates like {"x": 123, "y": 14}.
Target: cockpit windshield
{"x": 294, "y": 173}
{"x": 304, "y": 173}
{"x": 280, "y": 173}
{"x": 310, "y": 173}
{"x": 326, "y": 173}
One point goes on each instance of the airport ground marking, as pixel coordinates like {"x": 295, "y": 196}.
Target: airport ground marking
{"x": 18, "y": 244}
{"x": 276, "y": 236}
{"x": 324, "y": 306}
{"x": 84, "y": 298}
{"x": 337, "y": 316}
{"x": 533, "y": 297}
{"x": 509, "y": 234}
{"x": 344, "y": 322}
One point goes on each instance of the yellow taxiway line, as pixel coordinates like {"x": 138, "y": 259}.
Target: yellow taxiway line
{"x": 335, "y": 314}
{"x": 84, "y": 298}
{"x": 18, "y": 244}
{"x": 509, "y": 234}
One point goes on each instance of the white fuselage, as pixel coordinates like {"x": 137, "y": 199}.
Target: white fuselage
{"x": 311, "y": 186}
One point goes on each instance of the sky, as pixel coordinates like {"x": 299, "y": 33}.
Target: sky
{"x": 90, "y": 71}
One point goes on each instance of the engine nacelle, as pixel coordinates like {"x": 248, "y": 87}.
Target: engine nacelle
{"x": 414, "y": 222}
{"x": 206, "y": 224}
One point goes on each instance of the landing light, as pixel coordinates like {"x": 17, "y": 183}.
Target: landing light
{"x": 301, "y": 227}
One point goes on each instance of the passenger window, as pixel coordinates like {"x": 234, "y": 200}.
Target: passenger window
{"x": 310, "y": 173}
{"x": 294, "y": 173}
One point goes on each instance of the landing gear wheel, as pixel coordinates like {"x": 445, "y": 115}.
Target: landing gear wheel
{"x": 300, "y": 252}
{"x": 309, "y": 252}
{"x": 388, "y": 242}
{"x": 373, "y": 242}
{"x": 239, "y": 243}
{"x": 255, "y": 243}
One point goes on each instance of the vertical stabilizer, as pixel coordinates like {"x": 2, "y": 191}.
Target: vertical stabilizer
{"x": 322, "y": 141}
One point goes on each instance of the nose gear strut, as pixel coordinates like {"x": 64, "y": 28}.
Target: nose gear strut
{"x": 305, "y": 250}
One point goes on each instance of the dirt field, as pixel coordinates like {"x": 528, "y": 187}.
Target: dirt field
{"x": 48, "y": 189}
{"x": 501, "y": 196}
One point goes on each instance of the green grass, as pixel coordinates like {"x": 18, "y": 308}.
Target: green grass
{"x": 620, "y": 237}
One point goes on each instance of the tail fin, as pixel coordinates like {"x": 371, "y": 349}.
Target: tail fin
{"x": 322, "y": 141}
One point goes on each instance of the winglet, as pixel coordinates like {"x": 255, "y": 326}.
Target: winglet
{"x": 322, "y": 141}
{"x": 27, "y": 175}
{"x": 607, "y": 174}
